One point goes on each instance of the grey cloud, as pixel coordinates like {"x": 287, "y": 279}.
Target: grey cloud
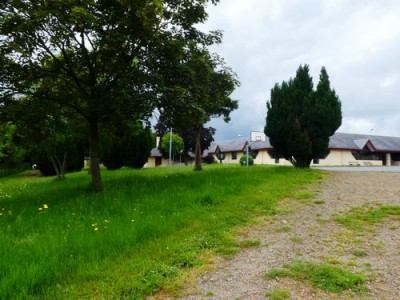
{"x": 357, "y": 41}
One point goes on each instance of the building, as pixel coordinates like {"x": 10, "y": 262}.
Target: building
{"x": 344, "y": 149}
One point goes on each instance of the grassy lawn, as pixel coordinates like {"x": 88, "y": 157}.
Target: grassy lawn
{"x": 59, "y": 240}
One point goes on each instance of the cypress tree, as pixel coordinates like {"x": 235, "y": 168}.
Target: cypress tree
{"x": 300, "y": 120}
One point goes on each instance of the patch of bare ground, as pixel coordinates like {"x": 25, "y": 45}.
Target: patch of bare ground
{"x": 307, "y": 231}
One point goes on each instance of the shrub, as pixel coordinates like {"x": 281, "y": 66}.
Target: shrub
{"x": 243, "y": 160}
{"x": 209, "y": 159}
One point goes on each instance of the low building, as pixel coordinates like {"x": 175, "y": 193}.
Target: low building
{"x": 344, "y": 149}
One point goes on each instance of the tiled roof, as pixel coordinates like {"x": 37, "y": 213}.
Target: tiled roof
{"x": 358, "y": 141}
{"x": 261, "y": 145}
{"x": 339, "y": 140}
{"x": 238, "y": 144}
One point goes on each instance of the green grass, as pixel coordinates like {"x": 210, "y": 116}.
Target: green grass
{"x": 325, "y": 276}
{"x": 359, "y": 253}
{"x": 361, "y": 218}
{"x": 278, "y": 294}
{"x": 137, "y": 236}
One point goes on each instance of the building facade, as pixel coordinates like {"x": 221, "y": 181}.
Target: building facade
{"x": 344, "y": 149}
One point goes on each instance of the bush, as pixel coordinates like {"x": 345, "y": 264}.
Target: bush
{"x": 209, "y": 159}
{"x": 112, "y": 157}
{"x": 243, "y": 160}
{"x": 75, "y": 158}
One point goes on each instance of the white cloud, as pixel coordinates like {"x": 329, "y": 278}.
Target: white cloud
{"x": 357, "y": 41}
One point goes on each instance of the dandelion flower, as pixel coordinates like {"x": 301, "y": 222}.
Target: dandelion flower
{"x": 40, "y": 208}
{"x": 45, "y": 206}
{"x": 96, "y": 229}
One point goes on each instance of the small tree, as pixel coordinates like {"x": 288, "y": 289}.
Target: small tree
{"x": 243, "y": 160}
{"x": 126, "y": 145}
{"x": 300, "y": 120}
{"x": 137, "y": 146}
{"x": 177, "y": 143}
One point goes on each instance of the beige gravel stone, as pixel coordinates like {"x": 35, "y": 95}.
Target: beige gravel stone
{"x": 311, "y": 234}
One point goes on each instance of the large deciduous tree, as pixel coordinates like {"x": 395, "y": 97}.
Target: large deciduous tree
{"x": 92, "y": 57}
{"x": 300, "y": 120}
{"x": 198, "y": 88}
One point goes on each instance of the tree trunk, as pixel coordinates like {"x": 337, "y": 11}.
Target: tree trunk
{"x": 55, "y": 166}
{"x": 94, "y": 156}
{"x": 63, "y": 167}
{"x": 197, "y": 153}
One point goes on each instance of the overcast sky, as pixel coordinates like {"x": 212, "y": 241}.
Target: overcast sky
{"x": 358, "y": 41}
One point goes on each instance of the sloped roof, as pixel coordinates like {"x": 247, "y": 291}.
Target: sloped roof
{"x": 155, "y": 152}
{"x": 359, "y": 141}
{"x": 238, "y": 144}
{"x": 261, "y": 145}
{"x": 351, "y": 141}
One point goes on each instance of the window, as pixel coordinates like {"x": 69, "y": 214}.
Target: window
{"x": 366, "y": 155}
{"x": 316, "y": 161}
{"x": 234, "y": 155}
{"x": 277, "y": 160}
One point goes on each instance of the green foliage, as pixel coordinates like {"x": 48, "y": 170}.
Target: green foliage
{"x": 199, "y": 90}
{"x": 300, "y": 120}
{"x": 243, "y": 160}
{"x": 126, "y": 146}
{"x": 99, "y": 61}
{"x": 177, "y": 145}
{"x": 137, "y": 147}
{"x": 112, "y": 154}
{"x": 325, "y": 276}
{"x": 68, "y": 243}
{"x": 10, "y": 153}
{"x": 209, "y": 159}
{"x": 74, "y": 158}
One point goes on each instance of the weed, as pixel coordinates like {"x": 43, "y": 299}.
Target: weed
{"x": 296, "y": 240}
{"x": 283, "y": 228}
{"x": 325, "y": 276}
{"x": 278, "y": 294}
{"x": 319, "y": 201}
{"x": 249, "y": 244}
{"x": 362, "y": 218}
{"x": 360, "y": 253}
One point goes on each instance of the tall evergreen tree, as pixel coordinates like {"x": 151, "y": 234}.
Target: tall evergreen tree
{"x": 300, "y": 120}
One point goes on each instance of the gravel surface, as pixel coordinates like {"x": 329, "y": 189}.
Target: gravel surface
{"x": 308, "y": 232}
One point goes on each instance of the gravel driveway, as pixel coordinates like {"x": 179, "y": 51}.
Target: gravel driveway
{"x": 308, "y": 232}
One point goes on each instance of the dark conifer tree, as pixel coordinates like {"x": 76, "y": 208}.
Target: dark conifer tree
{"x": 300, "y": 120}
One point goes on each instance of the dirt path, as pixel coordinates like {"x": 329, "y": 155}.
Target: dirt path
{"x": 309, "y": 232}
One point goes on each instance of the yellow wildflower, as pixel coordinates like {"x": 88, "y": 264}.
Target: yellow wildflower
{"x": 45, "y": 206}
{"x": 40, "y": 208}
{"x": 96, "y": 229}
